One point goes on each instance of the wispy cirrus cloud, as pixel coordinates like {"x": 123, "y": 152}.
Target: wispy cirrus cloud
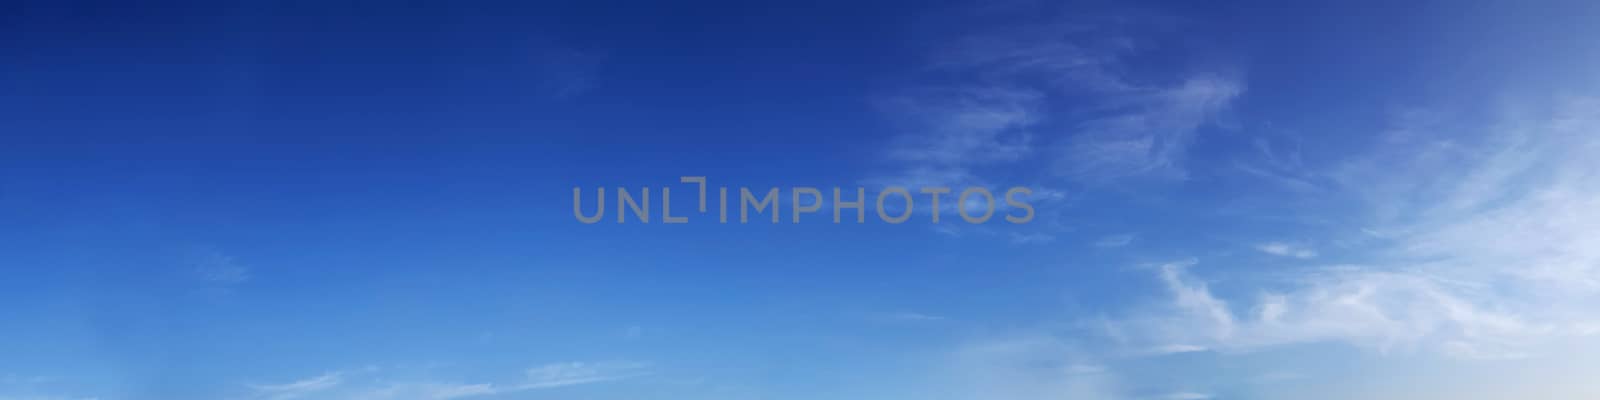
{"x": 565, "y": 73}
{"x": 964, "y": 126}
{"x": 1119, "y": 240}
{"x": 299, "y": 388}
{"x": 1149, "y": 135}
{"x": 372, "y": 384}
{"x": 1188, "y": 396}
{"x": 579, "y": 373}
{"x": 1048, "y": 105}
{"x": 217, "y": 268}
{"x": 1286, "y": 250}
{"x": 1031, "y": 238}
{"x": 541, "y": 377}
{"x": 427, "y": 391}
{"x": 46, "y": 397}
{"x": 1487, "y": 256}
{"x": 38, "y": 387}
{"x": 1029, "y": 367}
{"x": 911, "y": 316}
{"x": 1279, "y": 162}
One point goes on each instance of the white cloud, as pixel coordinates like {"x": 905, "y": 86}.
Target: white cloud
{"x": 964, "y": 126}
{"x": 1280, "y": 162}
{"x": 370, "y": 385}
{"x": 12, "y": 379}
{"x": 427, "y": 391}
{"x": 34, "y": 387}
{"x": 909, "y": 316}
{"x": 45, "y": 397}
{"x": 1174, "y": 349}
{"x": 1115, "y": 240}
{"x": 298, "y": 388}
{"x": 1473, "y": 263}
{"x": 1151, "y": 136}
{"x": 578, "y": 373}
{"x": 1031, "y": 238}
{"x": 1286, "y": 250}
{"x": 1382, "y": 311}
{"x": 217, "y": 268}
{"x": 1277, "y": 376}
{"x": 1187, "y": 396}
{"x": 1054, "y": 98}
{"x": 1084, "y": 369}
{"x": 565, "y": 73}
{"x": 1028, "y": 367}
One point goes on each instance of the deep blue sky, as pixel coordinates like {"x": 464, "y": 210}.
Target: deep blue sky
{"x": 370, "y": 200}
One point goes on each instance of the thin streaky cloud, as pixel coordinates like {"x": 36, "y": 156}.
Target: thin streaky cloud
{"x": 911, "y": 316}
{"x": 1031, "y": 238}
{"x": 375, "y": 386}
{"x": 579, "y": 373}
{"x": 1115, "y": 240}
{"x": 299, "y": 388}
{"x": 217, "y": 268}
{"x": 1445, "y": 278}
{"x": 1286, "y": 250}
{"x": 1014, "y": 110}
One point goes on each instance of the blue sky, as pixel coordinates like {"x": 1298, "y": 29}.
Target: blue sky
{"x": 1241, "y": 200}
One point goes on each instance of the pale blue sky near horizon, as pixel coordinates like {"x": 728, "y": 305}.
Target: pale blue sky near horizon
{"x": 367, "y": 200}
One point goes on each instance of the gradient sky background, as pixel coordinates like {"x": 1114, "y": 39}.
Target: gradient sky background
{"x": 369, "y": 200}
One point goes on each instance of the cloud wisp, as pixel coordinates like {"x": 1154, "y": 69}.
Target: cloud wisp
{"x": 1496, "y": 258}
{"x": 300, "y": 388}
{"x": 1052, "y": 97}
{"x": 1120, "y": 240}
{"x": 368, "y": 385}
{"x": 1286, "y": 250}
